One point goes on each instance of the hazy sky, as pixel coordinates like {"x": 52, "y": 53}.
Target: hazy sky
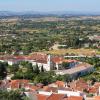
{"x": 50, "y": 5}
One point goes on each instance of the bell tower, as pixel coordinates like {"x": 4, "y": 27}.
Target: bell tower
{"x": 49, "y": 62}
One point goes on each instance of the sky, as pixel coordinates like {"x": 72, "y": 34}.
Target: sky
{"x": 50, "y": 5}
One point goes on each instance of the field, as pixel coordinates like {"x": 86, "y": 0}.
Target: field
{"x": 50, "y": 33}
{"x": 87, "y": 52}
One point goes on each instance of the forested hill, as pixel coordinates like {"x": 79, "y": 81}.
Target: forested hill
{"x": 36, "y": 14}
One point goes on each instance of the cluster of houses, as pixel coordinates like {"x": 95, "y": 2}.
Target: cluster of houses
{"x": 59, "y": 90}
{"x": 51, "y": 62}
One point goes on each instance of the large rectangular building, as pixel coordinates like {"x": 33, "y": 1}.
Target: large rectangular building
{"x": 79, "y": 70}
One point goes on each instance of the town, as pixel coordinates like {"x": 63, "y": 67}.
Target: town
{"x": 49, "y": 49}
{"x": 43, "y": 66}
{"x": 66, "y": 83}
{"x": 49, "y": 67}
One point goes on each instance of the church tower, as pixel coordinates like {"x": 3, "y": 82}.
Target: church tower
{"x": 49, "y": 63}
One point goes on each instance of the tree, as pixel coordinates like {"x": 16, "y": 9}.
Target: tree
{"x": 25, "y": 70}
{"x": 45, "y": 77}
{"x": 36, "y": 69}
{"x": 11, "y": 95}
{"x": 42, "y": 69}
{"x": 3, "y": 71}
{"x": 65, "y": 78}
{"x": 13, "y": 69}
{"x": 65, "y": 65}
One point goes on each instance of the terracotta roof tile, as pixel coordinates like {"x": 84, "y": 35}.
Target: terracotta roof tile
{"x": 97, "y": 98}
{"x": 60, "y": 83}
{"x": 79, "y": 85}
{"x": 57, "y": 59}
{"x": 38, "y": 57}
{"x": 41, "y": 97}
{"x": 14, "y": 84}
{"x": 49, "y": 89}
{"x": 61, "y": 59}
{"x": 17, "y": 83}
{"x": 56, "y": 97}
{"x": 34, "y": 88}
{"x": 75, "y": 98}
{"x": 92, "y": 90}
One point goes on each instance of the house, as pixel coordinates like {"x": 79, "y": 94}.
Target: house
{"x": 74, "y": 91}
{"x": 75, "y": 98}
{"x": 58, "y": 61}
{"x": 39, "y": 59}
{"x": 12, "y": 59}
{"x": 95, "y": 89}
{"x": 78, "y": 85}
{"x": 60, "y": 83}
{"x": 49, "y": 62}
{"x": 79, "y": 70}
{"x": 69, "y": 93}
{"x": 56, "y": 97}
{"x": 17, "y": 84}
{"x": 16, "y": 59}
{"x": 42, "y": 97}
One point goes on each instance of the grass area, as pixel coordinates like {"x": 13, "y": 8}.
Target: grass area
{"x": 87, "y": 52}
{"x": 98, "y": 52}
{"x": 32, "y": 30}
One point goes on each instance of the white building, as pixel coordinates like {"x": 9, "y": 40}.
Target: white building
{"x": 78, "y": 70}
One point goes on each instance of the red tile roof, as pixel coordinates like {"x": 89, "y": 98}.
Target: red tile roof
{"x": 19, "y": 57}
{"x": 57, "y": 59}
{"x": 16, "y": 83}
{"x": 56, "y": 97}
{"x": 69, "y": 60}
{"x": 60, "y": 60}
{"x": 38, "y": 57}
{"x": 75, "y": 98}
{"x": 33, "y": 88}
{"x": 60, "y": 83}
{"x": 41, "y": 97}
{"x": 49, "y": 89}
{"x": 79, "y": 85}
{"x": 94, "y": 88}
{"x": 97, "y": 98}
